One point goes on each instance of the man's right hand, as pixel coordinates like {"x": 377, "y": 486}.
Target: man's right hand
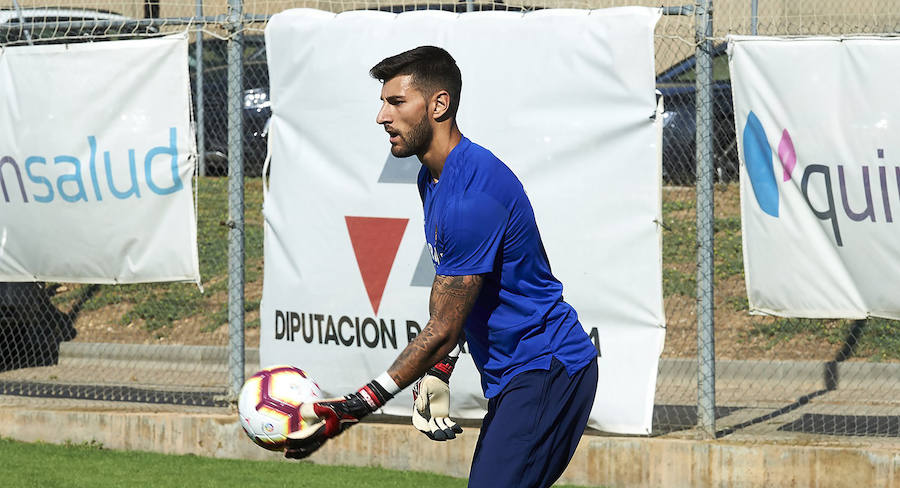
{"x": 304, "y": 442}
{"x": 326, "y": 419}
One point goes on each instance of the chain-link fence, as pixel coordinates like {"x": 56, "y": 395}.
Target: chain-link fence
{"x": 783, "y": 377}
{"x": 730, "y": 373}
{"x": 157, "y": 343}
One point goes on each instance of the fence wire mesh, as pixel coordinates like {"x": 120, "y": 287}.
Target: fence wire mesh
{"x": 153, "y": 343}
{"x": 168, "y": 343}
{"x": 797, "y": 379}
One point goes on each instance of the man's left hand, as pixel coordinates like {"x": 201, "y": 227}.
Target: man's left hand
{"x": 431, "y": 409}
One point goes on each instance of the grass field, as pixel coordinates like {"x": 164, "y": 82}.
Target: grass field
{"x": 179, "y": 314}
{"x": 89, "y": 465}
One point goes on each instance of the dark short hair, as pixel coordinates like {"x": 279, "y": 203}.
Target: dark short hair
{"x": 432, "y": 69}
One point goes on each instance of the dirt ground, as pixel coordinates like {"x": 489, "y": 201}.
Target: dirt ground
{"x": 102, "y": 325}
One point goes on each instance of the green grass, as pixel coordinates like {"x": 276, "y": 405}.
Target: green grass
{"x": 738, "y": 303}
{"x": 679, "y": 241}
{"x": 729, "y": 256}
{"x": 90, "y": 465}
{"x": 680, "y": 244}
{"x": 221, "y": 315}
{"x": 678, "y": 283}
{"x": 677, "y": 205}
{"x": 879, "y": 339}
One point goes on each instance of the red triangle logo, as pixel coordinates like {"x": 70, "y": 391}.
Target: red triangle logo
{"x": 375, "y": 242}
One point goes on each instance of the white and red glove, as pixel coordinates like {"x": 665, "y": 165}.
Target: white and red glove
{"x": 431, "y": 401}
{"x": 331, "y": 417}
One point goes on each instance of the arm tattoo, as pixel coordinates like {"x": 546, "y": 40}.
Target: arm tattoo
{"x": 452, "y": 298}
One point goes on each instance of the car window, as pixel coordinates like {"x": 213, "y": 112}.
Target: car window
{"x": 215, "y": 52}
{"x": 255, "y": 52}
{"x": 720, "y": 70}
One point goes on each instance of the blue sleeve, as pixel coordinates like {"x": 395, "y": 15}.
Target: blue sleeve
{"x": 472, "y": 235}
{"x": 421, "y": 180}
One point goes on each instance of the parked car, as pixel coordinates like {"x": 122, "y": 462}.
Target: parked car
{"x": 677, "y": 85}
{"x": 52, "y": 25}
{"x": 31, "y": 327}
{"x": 256, "y": 105}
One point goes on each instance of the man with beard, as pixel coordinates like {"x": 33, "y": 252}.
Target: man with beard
{"x": 493, "y": 287}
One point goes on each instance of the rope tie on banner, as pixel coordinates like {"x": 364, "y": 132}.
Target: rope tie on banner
{"x": 197, "y": 203}
{"x": 690, "y": 42}
{"x": 265, "y": 168}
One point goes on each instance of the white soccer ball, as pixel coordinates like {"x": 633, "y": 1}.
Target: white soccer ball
{"x": 267, "y": 404}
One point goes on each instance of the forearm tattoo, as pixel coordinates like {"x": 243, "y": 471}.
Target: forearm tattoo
{"x": 452, "y": 298}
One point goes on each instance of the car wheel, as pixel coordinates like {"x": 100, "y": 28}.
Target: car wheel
{"x": 216, "y": 163}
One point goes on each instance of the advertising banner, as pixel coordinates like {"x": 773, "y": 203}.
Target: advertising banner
{"x": 96, "y": 158}
{"x": 564, "y": 97}
{"x": 817, "y": 125}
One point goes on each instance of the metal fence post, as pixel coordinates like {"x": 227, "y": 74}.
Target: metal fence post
{"x": 235, "y": 196}
{"x": 706, "y": 391}
{"x": 25, "y": 30}
{"x": 198, "y": 72}
{"x": 754, "y": 16}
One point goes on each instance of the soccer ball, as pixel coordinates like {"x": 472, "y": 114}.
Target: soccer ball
{"x": 267, "y": 404}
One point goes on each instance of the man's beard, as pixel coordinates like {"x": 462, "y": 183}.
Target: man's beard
{"x": 417, "y": 140}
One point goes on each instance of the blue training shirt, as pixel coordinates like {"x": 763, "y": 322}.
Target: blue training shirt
{"x": 478, "y": 220}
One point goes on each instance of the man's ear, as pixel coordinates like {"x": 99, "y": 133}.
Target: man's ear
{"x": 440, "y": 103}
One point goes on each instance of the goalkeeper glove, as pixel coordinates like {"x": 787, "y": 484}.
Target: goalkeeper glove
{"x": 331, "y": 417}
{"x": 431, "y": 402}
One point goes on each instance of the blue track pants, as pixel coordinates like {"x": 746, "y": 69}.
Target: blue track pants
{"x": 532, "y": 428}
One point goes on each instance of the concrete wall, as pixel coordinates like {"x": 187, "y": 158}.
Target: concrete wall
{"x": 608, "y": 461}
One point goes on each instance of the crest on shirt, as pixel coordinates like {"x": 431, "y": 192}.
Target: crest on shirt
{"x": 435, "y": 255}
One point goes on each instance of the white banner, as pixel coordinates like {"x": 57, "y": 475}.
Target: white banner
{"x": 564, "y": 97}
{"x": 96, "y": 158}
{"x": 817, "y": 125}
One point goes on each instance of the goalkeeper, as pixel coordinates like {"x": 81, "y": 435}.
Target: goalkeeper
{"x": 493, "y": 286}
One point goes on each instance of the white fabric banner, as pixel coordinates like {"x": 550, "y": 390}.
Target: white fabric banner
{"x": 817, "y": 125}
{"x": 96, "y": 158}
{"x": 564, "y": 97}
